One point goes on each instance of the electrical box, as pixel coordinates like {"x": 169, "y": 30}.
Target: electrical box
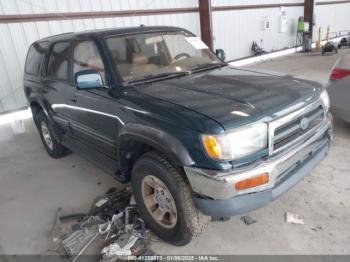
{"x": 283, "y": 21}
{"x": 265, "y": 23}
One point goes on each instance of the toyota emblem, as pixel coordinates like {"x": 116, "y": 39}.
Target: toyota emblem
{"x": 304, "y": 123}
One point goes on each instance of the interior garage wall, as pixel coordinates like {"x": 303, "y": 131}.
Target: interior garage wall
{"x": 15, "y": 38}
{"x": 236, "y": 24}
{"x": 235, "y": 30}
{"x": 334, "y": 14}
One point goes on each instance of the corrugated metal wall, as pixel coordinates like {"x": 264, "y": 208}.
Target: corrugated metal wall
{"x": 235, "y": 30}
{"x": 15, "y": 38}
{"x": 336, "y": 16}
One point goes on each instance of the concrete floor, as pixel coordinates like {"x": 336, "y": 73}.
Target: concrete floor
{"x": 33, "y": 186}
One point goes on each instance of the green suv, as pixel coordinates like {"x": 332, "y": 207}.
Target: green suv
{"x": 196, "y": 137}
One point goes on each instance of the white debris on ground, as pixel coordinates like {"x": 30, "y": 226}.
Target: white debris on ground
{"x": 294, "y": 218}
{"x": 115, "y": 250}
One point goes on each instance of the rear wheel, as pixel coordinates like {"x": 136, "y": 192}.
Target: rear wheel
{"x": 165, "y": 200}
{"x": 47, "y": 134}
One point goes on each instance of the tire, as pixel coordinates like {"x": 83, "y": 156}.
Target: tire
{"x": 190, "y": 221}
{"x": 55, "y": 149}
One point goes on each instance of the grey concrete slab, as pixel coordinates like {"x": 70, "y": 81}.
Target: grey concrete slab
{"x": 310, "y": 66}
{"x": 33, "y": 186}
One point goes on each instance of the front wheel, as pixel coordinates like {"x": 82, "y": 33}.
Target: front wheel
{"x": 165, "y": 200}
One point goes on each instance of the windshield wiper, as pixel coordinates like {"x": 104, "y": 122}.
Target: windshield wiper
{"x": 153, "y": 77}
{"x": 208, "y": 66}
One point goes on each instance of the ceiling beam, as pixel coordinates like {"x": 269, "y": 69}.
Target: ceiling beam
{"x": 20, "y": 18}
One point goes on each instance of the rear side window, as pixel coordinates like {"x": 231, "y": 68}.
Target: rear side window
{"x": 35, "y": 57}
{"x": 59, "y": 61}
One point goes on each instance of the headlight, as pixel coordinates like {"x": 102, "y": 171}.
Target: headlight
{"x": 236, "y": 144}
{"x": 325, "y": 99}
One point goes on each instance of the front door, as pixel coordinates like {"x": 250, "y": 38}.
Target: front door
{"x": 94, "y": 120}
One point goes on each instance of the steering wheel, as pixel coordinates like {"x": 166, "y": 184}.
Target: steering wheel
{"x": 178, "y": 56}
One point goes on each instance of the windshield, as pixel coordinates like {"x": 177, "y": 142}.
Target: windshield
{"x": 142, "y": 56}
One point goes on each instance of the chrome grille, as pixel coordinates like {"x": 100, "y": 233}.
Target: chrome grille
{"x": 295, "y": 127}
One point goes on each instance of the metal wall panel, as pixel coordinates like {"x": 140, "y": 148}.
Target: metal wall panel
{"x": 252, "y": 2}
{"x": 51, "y": 6}
{"x": 336, "y": 16}
{"x": 235, "y": 30}
{"x": 15, "y": 38}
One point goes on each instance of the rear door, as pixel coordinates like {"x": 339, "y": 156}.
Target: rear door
{"x": 32, "y": 76}
{"x": 58, "y": 86}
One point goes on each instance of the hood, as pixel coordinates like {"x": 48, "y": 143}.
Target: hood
{"x": 233, "y": 96}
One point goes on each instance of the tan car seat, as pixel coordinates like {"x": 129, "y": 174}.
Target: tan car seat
{"x": 141, "y": 66}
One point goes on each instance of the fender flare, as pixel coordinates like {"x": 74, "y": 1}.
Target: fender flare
{"x": 49, "y": 114}
{"x": 156, "y": 138}
{"x": 40, "y": 102}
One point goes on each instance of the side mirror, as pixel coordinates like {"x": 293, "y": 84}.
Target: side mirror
{"x": 220, "y": 53}
{"x": 88, "y": 79}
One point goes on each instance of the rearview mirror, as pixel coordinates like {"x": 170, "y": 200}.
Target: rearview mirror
{"x": 220, "y": 53}
{"x": 88, "y": 79}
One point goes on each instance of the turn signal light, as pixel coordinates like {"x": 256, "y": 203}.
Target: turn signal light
{"x": 212, "y": 147}
{"x": 252, "y": 182}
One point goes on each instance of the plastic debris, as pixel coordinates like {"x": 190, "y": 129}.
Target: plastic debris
{"x": 132, "y": 201}
{"x": 106, "y": 228}
{"x": 294, "y": 218}
{"x": 248, "y": 220}
{"x": 77, "y": 242}
{"x": 101, "y": 202}
{"x": 120, "y": 249}
{"x": 113, "y": 220}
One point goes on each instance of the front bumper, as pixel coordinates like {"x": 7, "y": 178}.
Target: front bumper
{"x": 216, "y": 195}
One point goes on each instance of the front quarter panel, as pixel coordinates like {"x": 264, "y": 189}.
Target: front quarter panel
{"x": 171, "y": 129}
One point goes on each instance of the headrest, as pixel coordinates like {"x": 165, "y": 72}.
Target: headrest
{"x": 139, "y": 59}
{"x": 115, "y": 55}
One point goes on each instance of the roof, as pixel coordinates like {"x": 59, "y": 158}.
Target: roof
{"x": 110, "y": 31}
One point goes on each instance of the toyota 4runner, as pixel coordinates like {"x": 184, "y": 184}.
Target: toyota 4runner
{"x": 196, "y": 137}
